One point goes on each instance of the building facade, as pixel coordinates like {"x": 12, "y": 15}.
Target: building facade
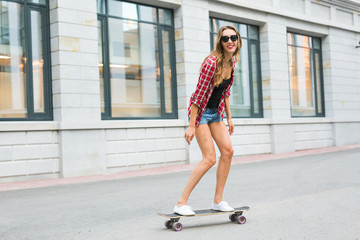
{"x": 102, "y": 86}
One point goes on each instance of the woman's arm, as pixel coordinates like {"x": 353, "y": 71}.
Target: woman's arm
{"x": 190, "y": 132}
{"x": 228, "y": 115}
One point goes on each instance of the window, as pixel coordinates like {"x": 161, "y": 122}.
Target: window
{"x": 25, "y": 81}
{"x": 246, "y": 92}
{"x": 306, "y": 79}
{"x": 137, "y": 61}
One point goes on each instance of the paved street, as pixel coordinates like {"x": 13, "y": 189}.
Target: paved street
{"x": 308, "y": 197}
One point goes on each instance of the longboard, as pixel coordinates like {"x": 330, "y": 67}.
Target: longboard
{"x": 173, "y": 222}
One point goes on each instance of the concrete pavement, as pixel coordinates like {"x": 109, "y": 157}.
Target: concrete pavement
{"x": 304, "y": 197}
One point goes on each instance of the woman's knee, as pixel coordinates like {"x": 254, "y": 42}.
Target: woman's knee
{"x": 228, "y": 152}
{"x": 210, "y": 160}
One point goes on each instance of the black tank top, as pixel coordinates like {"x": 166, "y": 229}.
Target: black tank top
{"x": 217, "y": 93}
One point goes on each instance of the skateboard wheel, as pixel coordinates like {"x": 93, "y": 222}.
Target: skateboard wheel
{"x": 241, "y": 220}
{"x": 177, "y": 226}
{"x": 169, "y": 224}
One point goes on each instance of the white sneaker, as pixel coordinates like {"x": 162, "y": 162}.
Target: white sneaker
{"x": 184, "y": 210}
{"x": 222, "y": 206}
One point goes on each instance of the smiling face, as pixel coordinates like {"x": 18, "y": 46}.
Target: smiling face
{"x": 229, "y": 46}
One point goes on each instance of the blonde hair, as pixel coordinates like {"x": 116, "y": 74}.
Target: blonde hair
{"x": 220, "y": 56}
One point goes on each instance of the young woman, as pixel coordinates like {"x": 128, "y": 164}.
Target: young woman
{"x": 206, "y": 110}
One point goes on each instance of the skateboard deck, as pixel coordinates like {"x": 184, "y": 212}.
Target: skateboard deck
{"x": 173, "y": 222}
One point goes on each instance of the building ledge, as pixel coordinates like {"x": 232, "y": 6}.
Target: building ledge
{"x": 163, "y": 123}
{"x": 14, "y": 126}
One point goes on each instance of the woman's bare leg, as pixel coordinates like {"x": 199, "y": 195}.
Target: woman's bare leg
{"x": 222, "y": 138}
{"x": 206, "y": 144}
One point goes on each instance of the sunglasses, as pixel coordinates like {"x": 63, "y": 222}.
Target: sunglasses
{"x": 233, "y": 38}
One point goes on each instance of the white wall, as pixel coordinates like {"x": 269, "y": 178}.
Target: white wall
{"x": 79, "y": 143}
{"x": 28, "y": 153}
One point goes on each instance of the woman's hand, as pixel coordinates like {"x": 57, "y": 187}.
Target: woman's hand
{"x": 189, "y": 134}
{"x": 231, "y": 126}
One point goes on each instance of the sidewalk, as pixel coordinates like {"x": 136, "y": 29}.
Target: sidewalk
{"x": 162, "y": 170}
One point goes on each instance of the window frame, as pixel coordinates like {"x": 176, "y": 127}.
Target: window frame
{"x": 104, "y": 19}
{"x": 321, "y": 75}
{"x": 43, "y": 9}
{"x": 251, "y": 41}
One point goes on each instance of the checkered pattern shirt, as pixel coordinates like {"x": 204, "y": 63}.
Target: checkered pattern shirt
{"x": 205, "y": 87}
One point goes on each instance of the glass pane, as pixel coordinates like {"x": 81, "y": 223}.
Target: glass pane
{"x": 122, "y": 9}
{"x": 167, "y": 70}
{"x": 134, "y": 69}
{"x": 291, "y": 38}
{"x": 223, "y": 23}
{"x": 253, "y": 32}
{"x": 101, "y": 66}
{"x": 37, "y": 1}
{"x": 243, "y": 30}
{"x": 147, "y": 13}
{"x": 100, "y": 4}
{"x": 165, "y": 16}
{"x": 37, "y": 62}
{"x": 240, "y": 93}
{"x": 214, "y": 37}
{"x": 12, "y": 61}
{"x": 318, "y": 83}
{"x": 301, "y": 77}
{"x": 215, "y": 24}
{"x": 301, "y": 41}
{"x": 308, "y": 41}
{"x": 255, "y": 78}
{"x": 316, "y": 42}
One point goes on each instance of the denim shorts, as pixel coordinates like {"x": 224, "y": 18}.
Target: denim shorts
{"x": 210, "y": 116}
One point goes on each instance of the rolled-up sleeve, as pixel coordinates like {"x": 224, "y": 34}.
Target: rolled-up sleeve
{"x": 228, "y": 93}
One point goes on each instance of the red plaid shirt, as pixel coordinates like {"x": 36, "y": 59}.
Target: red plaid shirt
{"x": 205, "y": 87}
